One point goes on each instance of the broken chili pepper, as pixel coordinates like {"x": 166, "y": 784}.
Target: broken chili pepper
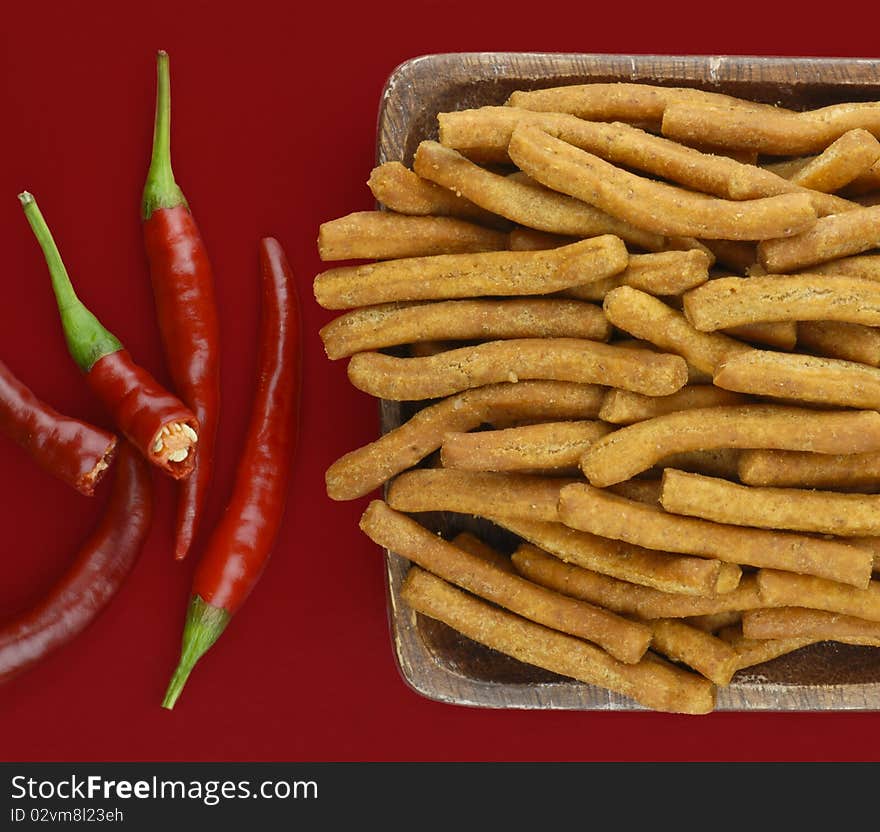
{"x": 242, "y": 541}
{"x": 183, "y": 287}
{"x": 73, "y": 450}
{"x": 161, "y": 426}
{"x": 96, "y": 574}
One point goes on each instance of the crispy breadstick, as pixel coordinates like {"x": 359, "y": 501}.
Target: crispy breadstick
{"x": 562, "y": 359}
{"x": 652, "y": 684}
{"x": 651, "y": 205}
{"x": 474, "y": 545}
{"x": 807, "y": 378}
{"x": 657, "y": 273}
{"x": 623, "y": 407}
{"x": 752, "y": 651}
{"x": 387, "y": 325}
{"x": 642, "y": 491}
{"x": 601, "y": 512}
{"x": 735, "y": 254}
{"x": 636, "y": 448}
{"x": 732, "y": 301}
{"x": 852, "y": 472}
{"x": 787, "y": 589}
{"x": 624, "y": 639}
{"x": 714, "y": 622}
{"x": 530, "y": 239}
{"x": 680, "y": 574}
{"x": 837, "y": 235}
{"x": 841, "y": 162}
{"x": 382, "y": 235}
{"x": 649, "y": 318}
{"x": 866, "y": 266}
{"x": 834, "y": 339}
{"x": 799, "y": 622}
{"x": 779, "y": 334}
{"x": 701, "y": 651}
{"x": 545, "y": 447}
{"x": 628, "y": 598}
{"x": 720, "y": 462}
{"x": 865, "y": 184}
{"x": 361, "y": 471}
{"x": 445, "y": 276}
{"x": 796, "y": 509}
{"x": 623, "y": 101}
{"x": 527, "y": 204}
{"x": 399, "y": 189}
{"x": 481, "y": 493}
{"x": 488, "y": 130}
{"x": 775, "y": 133}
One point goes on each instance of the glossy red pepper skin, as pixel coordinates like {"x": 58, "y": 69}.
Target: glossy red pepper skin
{"x": 240, "y": 545}
{"x": 97, "y": 572}
{"x": 183, "y": 287}
{"x": 73, "y": 450}
{"x": 140, "y": 406}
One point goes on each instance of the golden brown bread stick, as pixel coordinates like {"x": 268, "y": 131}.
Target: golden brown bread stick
{"x": 866, "y": 266}
{"x": 526, "y": 204}
{"x": 640, "y": 490}
{"x": 546, "y": 447}
{"x": 657, "y": 273}
{"x": 598, "y": 511}
{"x": 713, "y": 622}
{"x": 865, "y": 184}
{"x": 732, "y": 301}
{"x": 562, "y": 359}
{"x": 799, "y": 622}
{"x": 488, "y": 130}
{"x": 469, "y": 542}
{"x": 852, "y": 472}
{"x": 623, "y": 407}
{"x": 837, "y": 235}
{"x": 652, "y": 684}
{"x": 841, "y": 162}
{"x": 774, "y": 133}
{"x": 680, "y": 574}
{"x": 399, "y": 189}
{"x": 639, "y": 102}
{"x": 636, "y": 448}
{"x": 829, "y": 382}
{"x": 787, "y": 589}
{"x": 655, "y": 206}
{"x": 480, "y": 493}
{"x": 754, "y": 651}
{"x": 450, "y": 276}
{"x": 625, "y": 640}
{"x": 364, "y": 469}
{"x": 795, "y": 509}
{"x": 720, "y": 462}
{"x": 836, "y": 339}
{"x": 530, "y": 239}
{"x": 625, "y": 597}
{"x": 738, "y": 255}
{"x": 701, "y": 651}
{"x": 781, "y": 335}
{"x": 649, "y": 318}
{"x": 383, "y": 235}
{"x": 388, "y": 325}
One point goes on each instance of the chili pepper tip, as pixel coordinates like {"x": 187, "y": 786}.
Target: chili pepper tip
{"x": 204, "y": 624}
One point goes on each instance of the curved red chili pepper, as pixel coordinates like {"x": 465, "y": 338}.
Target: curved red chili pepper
{"x": 161, "y": 426}
{"x": 96, "y": 574}
{"x": 242, "y": 541}
{"x": 73, "y": 450}
{"x": 183, "y": 287}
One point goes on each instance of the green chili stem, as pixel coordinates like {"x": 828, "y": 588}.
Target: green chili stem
{"x": 204, "y": 624}
{"x": 87, "y": 339}
{"x": 160, "y": 189}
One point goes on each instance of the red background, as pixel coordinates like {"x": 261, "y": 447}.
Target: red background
{"x": 273, "y": 133}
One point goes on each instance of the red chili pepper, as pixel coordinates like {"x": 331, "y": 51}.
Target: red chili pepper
{"x": 161, "y": 426}
{"x": 96, "y": 574}
{"x": 242, "y": 542}
{"x": 74, "y": 451}
{"x": 183, "y": 286}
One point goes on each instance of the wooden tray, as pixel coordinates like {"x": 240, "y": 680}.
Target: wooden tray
{"x": 433, "y": 659}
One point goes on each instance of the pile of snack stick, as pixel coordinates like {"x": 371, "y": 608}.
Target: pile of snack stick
{"x": 640, "y": 327}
